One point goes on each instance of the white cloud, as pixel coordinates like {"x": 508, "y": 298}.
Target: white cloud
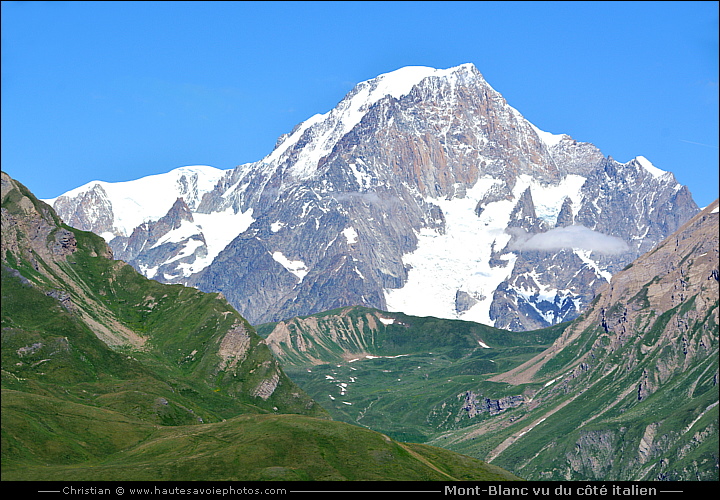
{"x": 567, "y": 237}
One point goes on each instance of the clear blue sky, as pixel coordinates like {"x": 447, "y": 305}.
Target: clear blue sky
{"x": 115, "y": 91}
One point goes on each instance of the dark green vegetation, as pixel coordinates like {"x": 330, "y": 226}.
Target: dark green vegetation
{"x": 405, "y": 376}
{"x": 109, "y": 375}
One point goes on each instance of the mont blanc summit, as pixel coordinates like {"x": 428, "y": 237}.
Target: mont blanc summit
{"x": 422, "y": 191}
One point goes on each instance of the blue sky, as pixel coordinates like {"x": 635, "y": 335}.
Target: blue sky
{"x": 119, "y": 90}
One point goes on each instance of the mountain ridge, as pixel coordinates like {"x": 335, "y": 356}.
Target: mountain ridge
{"x": 406, "y": 175}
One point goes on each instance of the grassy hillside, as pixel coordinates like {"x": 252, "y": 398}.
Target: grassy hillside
{"x": 603, "y": 427}
{"x": 109, "y": 375}
{"x": 402, "y": 375}
{"x": 96, "y": 444}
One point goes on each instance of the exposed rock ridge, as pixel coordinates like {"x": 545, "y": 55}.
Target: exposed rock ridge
{"x": 327, "y": 339}
{"x": 234, "y": 347}
{"x": 153, "y": 242}
{"x": 475, "y": 404}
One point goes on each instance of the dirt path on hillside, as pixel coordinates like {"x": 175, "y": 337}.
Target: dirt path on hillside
{"x": 425, "y": 461}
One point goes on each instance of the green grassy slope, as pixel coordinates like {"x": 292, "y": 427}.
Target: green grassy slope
{"x": 598, "y": 426}
{"x": 89, "y": 443}
{"x": 406, "y": 378}
{"x": 109, "y": 375}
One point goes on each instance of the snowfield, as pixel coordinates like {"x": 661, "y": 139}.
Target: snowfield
{"x": 459, "y": 259}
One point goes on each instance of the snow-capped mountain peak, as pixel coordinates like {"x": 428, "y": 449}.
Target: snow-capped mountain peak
{"x": 401, "y": 81}
{"x": 423, "y": 190}
{"x": 320, "y": 133}
{"x": 652, "y": 169}
{"x": 142, "y": 200}
{"x": 548, "y": 138}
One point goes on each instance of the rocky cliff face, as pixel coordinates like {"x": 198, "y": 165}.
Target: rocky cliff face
{"x": 421, "y": 191}
{"x": 165, "y": 249}
{"x": 475, "y": 404}
{"x": 30, "y": 228}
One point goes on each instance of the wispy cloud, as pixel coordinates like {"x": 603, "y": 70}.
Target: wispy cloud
{"x": 567, "y": 237}
{"x": 698, "y": 143}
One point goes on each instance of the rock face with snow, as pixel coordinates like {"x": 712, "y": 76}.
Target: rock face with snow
{"x": 152, "y": 223}
{"x": 422, "y": 191}
{"x": 174, "y": 242}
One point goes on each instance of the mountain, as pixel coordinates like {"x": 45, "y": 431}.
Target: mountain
{"x": 152, "y": 222}
{"x": 626, "y": 391}
{"x": 422, "y": 191}
{"x": 107, "y": 375}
